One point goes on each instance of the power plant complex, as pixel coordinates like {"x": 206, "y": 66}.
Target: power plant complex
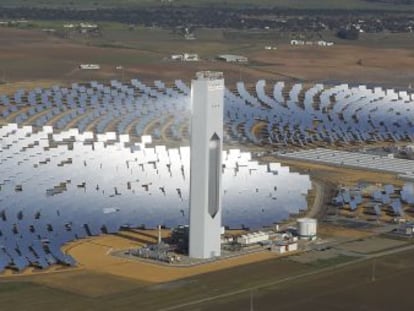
{"x": 65, "y": 147}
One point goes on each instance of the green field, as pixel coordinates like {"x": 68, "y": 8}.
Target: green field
{"x": 273, "y": 284}
{"x": 293, "y": 4}
{"x": 96, "y": 292}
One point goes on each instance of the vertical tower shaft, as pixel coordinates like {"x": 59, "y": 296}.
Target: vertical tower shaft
{"x": 207, "y": 99}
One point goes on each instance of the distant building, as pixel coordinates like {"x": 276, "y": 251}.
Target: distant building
{"x": 186, "y": 57}
{"x": 318, "y": 43}
{"x": 297, "y": 42}
{"x": 229, "y": 58}
{"x": 252, "y": 238}
{"x": 13, "y": 22}
{"x": 179, "y": 57}
{"x": 88, "y": 26}
{"x": 189, "y": 36}
{"x": 406, "y": 229}
{"x": 49, "y": 30}
{"x": 19, "y": 21}
{"x": 89, "y": 67}
{"x": 324, "y": 43}
{"x": 191, "y": 57}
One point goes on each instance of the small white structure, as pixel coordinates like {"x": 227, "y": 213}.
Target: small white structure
{"x": 178, "y": 57}
{"x": 89, "y": 67}
{"x": 284, "y": 247}
{"x": 307, "y": 228}
{"x": 297, "y": 42}
{"x": 88, "y": 26}
{"x": 49, "y": 30}
{"x": 189, "y": 36}
{"x": 406, "y": 229}
{"x": 225, "y": 240}
{"x": 322, "y": 43}
{"x": 191, "y": 57}
{"x": 186, "y": 57}
{"x": 229, "y": 58}
{"x": 253, "y": 238}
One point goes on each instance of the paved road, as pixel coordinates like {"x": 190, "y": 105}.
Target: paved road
{"x": 319, "y": 199}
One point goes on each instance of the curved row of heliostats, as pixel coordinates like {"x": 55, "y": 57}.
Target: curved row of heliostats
{"x": 57, "y": 187}
{"x": 286, "y": 115}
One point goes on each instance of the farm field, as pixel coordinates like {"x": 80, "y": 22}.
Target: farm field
{"x": 354, "y": 287}
{"x": 99, "y": 291}
{"x": 31, "y": 55}
{"x": 298, "y": 4}
{"x": 287, "y": 284}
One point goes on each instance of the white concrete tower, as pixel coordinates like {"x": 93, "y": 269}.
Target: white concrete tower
{"x": 207, "y": 100}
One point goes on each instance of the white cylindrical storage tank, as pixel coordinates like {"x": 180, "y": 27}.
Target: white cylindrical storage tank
{"x": 307, "y": 227}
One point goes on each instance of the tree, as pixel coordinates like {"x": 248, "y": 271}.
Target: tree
{"x": 349, "y": 33}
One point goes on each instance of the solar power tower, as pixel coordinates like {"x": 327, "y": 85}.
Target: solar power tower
{"x": 207, "y": 100}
